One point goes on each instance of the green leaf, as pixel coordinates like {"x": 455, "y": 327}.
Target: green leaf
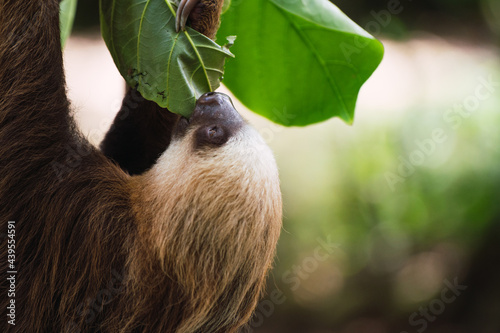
{"x": 297, "y": 62}
{"x": 68, "y": 10}
{"x": 173, "y": 69}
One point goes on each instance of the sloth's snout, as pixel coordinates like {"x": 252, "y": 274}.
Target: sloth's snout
{"x": 212, "y": 98}
{"x": 215, "y": 116}
{"x": 215, "y": 106}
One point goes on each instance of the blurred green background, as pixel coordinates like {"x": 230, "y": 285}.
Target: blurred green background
{"x": 393, "y": 224}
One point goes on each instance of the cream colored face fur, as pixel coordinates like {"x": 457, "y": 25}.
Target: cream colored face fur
{"x": 235, "y": 183}
{"x": 213, "y": 214}
{"x": 245, "y": 155}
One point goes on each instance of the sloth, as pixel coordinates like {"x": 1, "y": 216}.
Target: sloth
{"x": 170, "y": 227}
{"x": 203, "y": 15}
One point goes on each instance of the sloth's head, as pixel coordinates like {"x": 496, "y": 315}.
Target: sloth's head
{"x": 215, "y": 211}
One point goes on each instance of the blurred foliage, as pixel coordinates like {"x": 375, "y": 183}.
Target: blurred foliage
{"x": 68, "y": 10}
{"x": 439, "y": 16}
{"x": 87, "y": 15}
{"x": 395, "y": 242}
{"x": 458, "y": 18}
{"x": 415, "y": 12}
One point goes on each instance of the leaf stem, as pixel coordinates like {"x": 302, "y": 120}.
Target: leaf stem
{"x": 171, "y": 8}
{"x": 201, "y": 61}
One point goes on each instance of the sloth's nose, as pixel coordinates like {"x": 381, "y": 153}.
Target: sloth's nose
{"x": 213, "y": 98}
{"x": 213, "y": 105}
{"x": 209, "y": 98}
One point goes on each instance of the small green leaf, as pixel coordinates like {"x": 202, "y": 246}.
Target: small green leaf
{"x": 298, "y": 62}
{"x": 68, "y": 10}
{"x": 226, "y": 5}
{"x": 173, "y": 69}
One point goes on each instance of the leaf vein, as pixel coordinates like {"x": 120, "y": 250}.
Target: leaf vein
{"x": 143, "y": 15}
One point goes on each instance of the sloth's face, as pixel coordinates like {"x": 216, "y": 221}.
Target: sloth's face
{"x": 218, "y": 178}
{"x": 216, "y": 131}
{"x": 213, "y": 122}
{"x": 216, "y": 146}
{"x": 217, "y": 185}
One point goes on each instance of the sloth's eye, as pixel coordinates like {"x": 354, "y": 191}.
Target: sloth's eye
{"x": 213, "y": 135}
{"x": 216, "y": 135}
{"x": 213, "y": 132}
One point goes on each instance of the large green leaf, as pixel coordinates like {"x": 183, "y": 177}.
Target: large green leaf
{"x": 68, "y": 10}
{"x": 297, "y": 62}
{"x": 173, "y": 69}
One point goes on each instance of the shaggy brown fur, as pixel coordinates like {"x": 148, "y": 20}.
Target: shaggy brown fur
{"x": 184, "y": 247}
{"x": 205, "y": 17}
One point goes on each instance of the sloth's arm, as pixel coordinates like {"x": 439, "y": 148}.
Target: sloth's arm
{"x": 34, "y": 122}
{"x": 142, "y": 130}
{"x": 202, "y": 15}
